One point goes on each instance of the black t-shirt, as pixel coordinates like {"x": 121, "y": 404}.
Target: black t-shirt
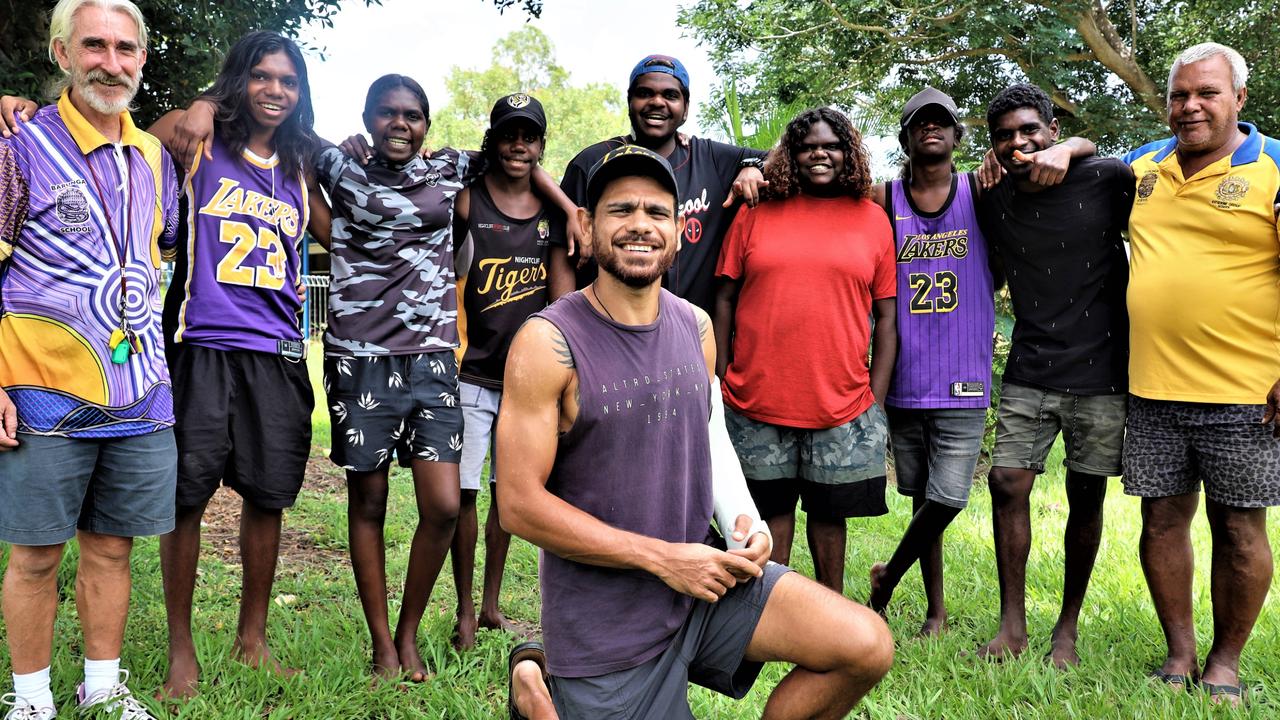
{"x": 704, "y": 171}
{"x": 1064, "y": 259}
{"x": 502, "y": 280}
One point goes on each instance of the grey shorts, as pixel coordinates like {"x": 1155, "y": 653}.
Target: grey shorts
{"x": 402, "y": 404}
{"x": 479, "y": 423}
{"x": 836, "y": 472}
{"x": 935, "y": 451}
{"x": 708, "y": 650}
{"x": 1174, "y": 446}
{"x": 1029, "y": 420}
{"x": 50, "y": 486}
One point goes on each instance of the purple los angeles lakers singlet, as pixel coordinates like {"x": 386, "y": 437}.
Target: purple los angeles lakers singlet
{"x": 235, "y": 284}
{"x": 946, "y": 309}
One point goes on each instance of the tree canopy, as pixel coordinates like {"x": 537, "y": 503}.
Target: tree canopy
{"x": 1104, "y": 64}
{"x": 187, "y": 39}
{"x": 524, "y": 61}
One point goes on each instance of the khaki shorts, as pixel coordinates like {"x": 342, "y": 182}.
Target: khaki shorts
{"x": 1029, "y": 420}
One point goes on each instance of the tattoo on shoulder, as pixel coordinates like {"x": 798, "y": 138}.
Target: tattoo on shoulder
{"x": 561, "y": 346}
{"x": 704, "y": 325}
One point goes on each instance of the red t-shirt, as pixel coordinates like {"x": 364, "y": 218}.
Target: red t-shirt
{"x": 809, "y": 269}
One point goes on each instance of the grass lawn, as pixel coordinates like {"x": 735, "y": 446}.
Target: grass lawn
{"x": 316, "y": 624}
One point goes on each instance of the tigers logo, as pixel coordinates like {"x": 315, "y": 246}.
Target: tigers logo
{"x": 518, "y": 100}
{"x": 544, "y": 229}
{"x": 1232, "y": 189}
{"x": 1148, "y": 185}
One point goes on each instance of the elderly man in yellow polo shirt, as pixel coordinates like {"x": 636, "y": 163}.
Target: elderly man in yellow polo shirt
{"x": 1205, "y": 360}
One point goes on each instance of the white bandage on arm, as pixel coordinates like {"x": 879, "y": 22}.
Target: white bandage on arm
{"x": 728, "y": 486}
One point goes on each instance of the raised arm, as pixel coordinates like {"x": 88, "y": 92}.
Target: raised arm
{"x": 193, "y": 129}
{"x": 1049, "y": 166}
{"x": 538, "y": 381}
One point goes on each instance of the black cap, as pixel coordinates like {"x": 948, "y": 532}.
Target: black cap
{"x": 515, "y": 107}
{"x": 925, "y": 98}
{"x": 625, "y": 161}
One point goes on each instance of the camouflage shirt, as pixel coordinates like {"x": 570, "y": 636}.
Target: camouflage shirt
{"x": 391, "y": 287}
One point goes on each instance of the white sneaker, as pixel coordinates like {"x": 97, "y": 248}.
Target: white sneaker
{"x": 20, "y": 709}
{"x": 116, "y": 699}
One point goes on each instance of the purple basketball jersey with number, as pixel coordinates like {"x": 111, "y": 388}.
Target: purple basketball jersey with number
{"x": 237, "y": 275}
{"x": 946, "y": 306}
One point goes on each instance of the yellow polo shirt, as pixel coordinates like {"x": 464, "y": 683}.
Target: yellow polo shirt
{"x": 1204, "y": 275}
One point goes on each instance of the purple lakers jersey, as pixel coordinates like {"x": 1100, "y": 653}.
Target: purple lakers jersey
{"x": 235, "y": 281}
{"x": 946, "y": 306}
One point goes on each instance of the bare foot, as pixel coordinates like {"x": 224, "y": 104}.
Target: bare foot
{"x": 183, "y": 679}
{"x": 1063, "y": 654}
{"x": 411, "y": 663}
{"x": 258, "y": 655}
{"x": 880, "y": 595}
{"x": 933, "y": 627}
{"x": 1002, "y": 648}
{"x": 386, "y": 664}
{"x": 464, "y": 631}
{"x": 498, "y": 621}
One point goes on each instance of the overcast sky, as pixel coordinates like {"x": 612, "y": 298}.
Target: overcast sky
{"x": 596, "y": 40}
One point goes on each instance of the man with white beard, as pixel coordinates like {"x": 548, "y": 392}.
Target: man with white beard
{"x": 87, "y": 203}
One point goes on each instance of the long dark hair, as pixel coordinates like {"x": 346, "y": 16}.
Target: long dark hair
{"x": 781, "y": 172}
{"x": 295, "y": 139}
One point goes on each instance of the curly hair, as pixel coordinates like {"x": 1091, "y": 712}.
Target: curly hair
{"x": 781, "y": 170}
{"x": 295, "y": 139}
{"x": 1016, "y": 97}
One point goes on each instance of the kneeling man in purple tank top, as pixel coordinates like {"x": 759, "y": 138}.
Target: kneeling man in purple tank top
{"x": 614, "y": 461}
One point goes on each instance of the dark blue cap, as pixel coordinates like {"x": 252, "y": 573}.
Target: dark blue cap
{"x": 661, "y": 64}
{"x": 626, "y": 161}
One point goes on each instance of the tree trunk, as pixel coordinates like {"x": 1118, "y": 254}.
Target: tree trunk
{"x": 1105, "y": 42}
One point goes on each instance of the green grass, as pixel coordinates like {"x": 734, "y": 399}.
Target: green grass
{"x": 322, "y": 629}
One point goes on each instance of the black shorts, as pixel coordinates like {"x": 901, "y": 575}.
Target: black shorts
{"x": 402, "y": 404}
{"x": 243, "y": 419}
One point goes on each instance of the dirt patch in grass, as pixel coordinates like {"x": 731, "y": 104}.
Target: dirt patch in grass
{"x": 221, "y": 526}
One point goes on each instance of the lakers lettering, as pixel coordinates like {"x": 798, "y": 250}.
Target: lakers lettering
{"x": 931, "y": 246}
{"x": 231, "y": 199}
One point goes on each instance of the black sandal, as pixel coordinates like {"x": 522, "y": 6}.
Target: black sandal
{"x": 532, "y": 650}
{"x": 1168, "y": 678}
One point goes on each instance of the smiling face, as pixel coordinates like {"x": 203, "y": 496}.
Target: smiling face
{"x": 1022, "y": 129}
{"x": 634, "y": 230}
{"x": 819, "y": 159}
{"x": 931, "y": 133}
{"x": 104, "y": 59}
{"x": 272, "y": 90}
{"x": 518, "y": 147}
{"x": 1203, "y": 106}
{"x": 398, "y": 124}
{"x": 657, "y": 106}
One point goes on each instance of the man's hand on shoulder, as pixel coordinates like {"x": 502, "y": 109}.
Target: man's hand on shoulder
{"x": 748, "y": 185}
{"x": 701, "y": 571}
{"x": 8, "y": 423}
{"x": 991, "y": 172}
{"x": 13, "y": 112}
{"x": 193, "y": 129}
{"x": 1271, "y": 416}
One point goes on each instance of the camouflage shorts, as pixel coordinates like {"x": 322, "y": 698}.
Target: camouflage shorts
{"x": 848, "y": 453}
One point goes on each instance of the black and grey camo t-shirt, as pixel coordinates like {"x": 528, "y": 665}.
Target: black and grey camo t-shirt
{"x": 391, "y": 287}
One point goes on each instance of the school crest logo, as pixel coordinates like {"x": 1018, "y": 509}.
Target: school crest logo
{"x": 1232, "y": 189}
{"x": 1147, "y": 185}
{"x": 518, "y": 100}
{"x": 71, "y": 205}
